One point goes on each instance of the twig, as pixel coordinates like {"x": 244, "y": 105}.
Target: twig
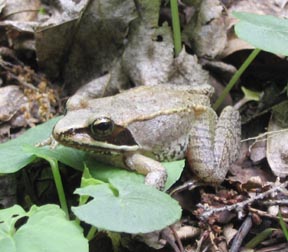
{"x": 240, "y": 205}
{"x": 273, "y": 133}
{"x": 241, "y": 234}
{"x": 167, "y": 237}
{"x": 189, "y": 185}
{"x": 265, "y": 214}
{"x": 275, "y": 202}
{"x": 7, "y": 66}
{"x": 179, "y": 243}
{"x": 19, "y": 12}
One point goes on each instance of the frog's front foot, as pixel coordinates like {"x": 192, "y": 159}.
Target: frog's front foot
{"x": 155, "y": 173}
{"x": 50, "y": 141}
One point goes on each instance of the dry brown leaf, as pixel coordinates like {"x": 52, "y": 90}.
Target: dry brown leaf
{"x": 21, "y": 10}
{"x": 229, "y": 232}
{"x": 258, "y": 151}
{"x": 277, "y": 149}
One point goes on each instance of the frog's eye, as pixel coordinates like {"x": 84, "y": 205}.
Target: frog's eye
{"x": 102, "y": 127}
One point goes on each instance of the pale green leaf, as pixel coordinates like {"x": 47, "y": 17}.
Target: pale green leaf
{"x": 12, "y": 155}
{"x": 130, "y": 207}
{"x": 265, "y": 32}
{"x": 251, "y": 95}
{"x": 46, "y": 229}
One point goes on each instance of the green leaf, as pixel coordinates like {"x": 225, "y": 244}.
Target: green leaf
{"x": 66, "y": 155}
{"x": 265, "y": 32}
{"x": 115, "y": 239}
{"x": 137, "y": 208}
{"x": 8, "y": 217}
{"x": 42, "y": 11}
{"x": 87, "y": 179}
{"x": 283, "y": 226}
{"x": 19, "y": 152}
{"x": 280, "y": 114}
{"x": 105, "y": 172}
{"x": 174, "y": 170}
{"x": 46, "y": 229}
{"x": 12, "y": 155}
{"x": 259, "y": 238}
{"x": 251, "y": 95}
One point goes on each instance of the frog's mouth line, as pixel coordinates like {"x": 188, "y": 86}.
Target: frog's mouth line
{"x": 83, "y": 140}
{"x": 99, "y": 146}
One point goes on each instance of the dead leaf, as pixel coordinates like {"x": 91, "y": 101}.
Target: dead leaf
{"x": 258, "y": 151}
{"x": 206, "y": 32}
{"x": 24, "y": 10}
{"x": 277, "y": 147}
{"x": 229, "y": 232}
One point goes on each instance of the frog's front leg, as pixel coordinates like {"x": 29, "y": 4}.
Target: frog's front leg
{"x": 214, "y": 143}
{"x": 155, "y": 173}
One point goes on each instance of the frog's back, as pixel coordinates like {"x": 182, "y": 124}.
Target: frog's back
{"x": 146, "y": 101}
{"x": 155, "y": 98}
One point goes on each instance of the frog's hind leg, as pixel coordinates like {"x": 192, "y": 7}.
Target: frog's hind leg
{"x": 227, "y": 140}
{"x": 200, "y": 151}
{"x": 214, "y": 143}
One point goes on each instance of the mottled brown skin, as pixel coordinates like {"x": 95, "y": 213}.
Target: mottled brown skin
{"x": 139, "y": 128}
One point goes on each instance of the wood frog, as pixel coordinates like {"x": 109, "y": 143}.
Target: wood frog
{"x": 140, "y": 127}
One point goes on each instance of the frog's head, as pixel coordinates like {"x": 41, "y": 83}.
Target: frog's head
{"x": 148, "y": 119}
{"x": 93, "y": 133}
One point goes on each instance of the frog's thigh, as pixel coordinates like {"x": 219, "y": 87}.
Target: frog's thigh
{"x": 200, "y": 151}
{"x": 155, "y": 173}
{"x": 227, "y": 139}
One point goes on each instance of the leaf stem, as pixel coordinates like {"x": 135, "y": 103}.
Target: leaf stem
{"x": 59, "y": 185}
{"x": 236, "y": 77}
{"x": 283, "y": 226}
{"x": 91, "y": 233}
{"x": 176, "y": 26}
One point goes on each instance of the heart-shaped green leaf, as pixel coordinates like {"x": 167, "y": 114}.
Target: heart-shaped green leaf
{"x": 46, "y": 229}
{"x": 127, "y": 207}
{"x": 265, "y": 32}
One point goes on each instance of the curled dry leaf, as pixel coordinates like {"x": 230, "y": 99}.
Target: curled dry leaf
{"x": 88, "y": 43}
{"x": 277, "y": 141}
{"x": 149, "y": 54}
{"x": 13, "y": 106}
{"x": 210, "y": 31}
{"x": 149, "y": 59}
{"x": 24, "y": 10}
{"x": 12, "y": 101}
{"x": 229, "y": 232}
{"x": 249, "y": 176}
{"x": 206, "y": 32}
{"x": 258, "y": 150}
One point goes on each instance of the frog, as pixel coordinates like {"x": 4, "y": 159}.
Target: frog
{"x": 141, "y": 127}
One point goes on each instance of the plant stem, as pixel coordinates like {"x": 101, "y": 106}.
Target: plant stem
{"x": 176, "y": 26}
{"x": 59, "y": 186}
{"x": 91, "y": 233}
{"x": 236, "y": 77}
{"x": 283, "y": 226}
